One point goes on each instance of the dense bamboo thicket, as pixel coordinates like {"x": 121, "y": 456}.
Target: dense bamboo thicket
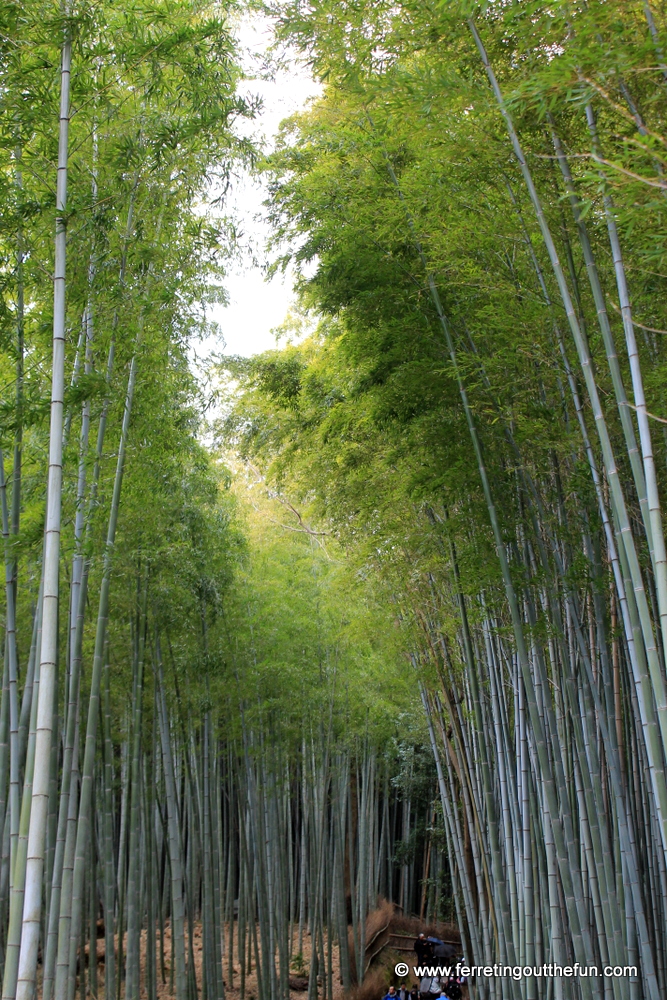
{"x": 401, "y": 633}
{"x": 479, "y": 200}
{"x": 207, "y": 760}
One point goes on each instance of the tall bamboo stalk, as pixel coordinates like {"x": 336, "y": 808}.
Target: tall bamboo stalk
{"x": 31, "y": 917}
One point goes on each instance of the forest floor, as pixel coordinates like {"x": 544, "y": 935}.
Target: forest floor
{"x": 232, "y": 991}
{"x": 376, "y": 981}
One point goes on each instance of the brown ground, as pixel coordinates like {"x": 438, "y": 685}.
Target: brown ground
{"x": 376, "y": 981}
{"x": 233, "y": 990}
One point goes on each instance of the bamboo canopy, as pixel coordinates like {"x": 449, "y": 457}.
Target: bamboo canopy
{"x": 374, "y": 623}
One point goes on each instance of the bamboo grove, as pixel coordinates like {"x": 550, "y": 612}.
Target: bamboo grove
{"x": 477, "y": 202}
{"x": 400, "y": 632}
{"x": 211, "y": 764}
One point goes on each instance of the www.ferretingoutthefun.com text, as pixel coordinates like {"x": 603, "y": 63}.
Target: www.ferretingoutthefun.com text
{"x": 516, "y": 971}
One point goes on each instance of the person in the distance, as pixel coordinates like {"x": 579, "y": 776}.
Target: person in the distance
{"x": 423, "y": 949}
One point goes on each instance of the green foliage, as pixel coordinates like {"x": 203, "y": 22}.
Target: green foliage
{"x": 151, "y": 144}
{"x": 306, "y": 642}
{"x": 402, "y": 171}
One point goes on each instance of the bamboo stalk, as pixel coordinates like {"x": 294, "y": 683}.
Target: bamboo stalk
{"x": 31, "y": 917}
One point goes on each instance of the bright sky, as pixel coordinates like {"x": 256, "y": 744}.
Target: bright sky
{"x": 257, "y": 306}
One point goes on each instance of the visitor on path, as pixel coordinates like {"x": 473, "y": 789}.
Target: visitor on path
{"x": 452, "y": 988}
{"x": 414, "y": 992}
{"x": 423, "y": 949}
{"x": 429, "y": 987}
{"x": 391, "y": 994}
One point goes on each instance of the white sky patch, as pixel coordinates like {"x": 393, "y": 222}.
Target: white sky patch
{"x": 256, "y": 306}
